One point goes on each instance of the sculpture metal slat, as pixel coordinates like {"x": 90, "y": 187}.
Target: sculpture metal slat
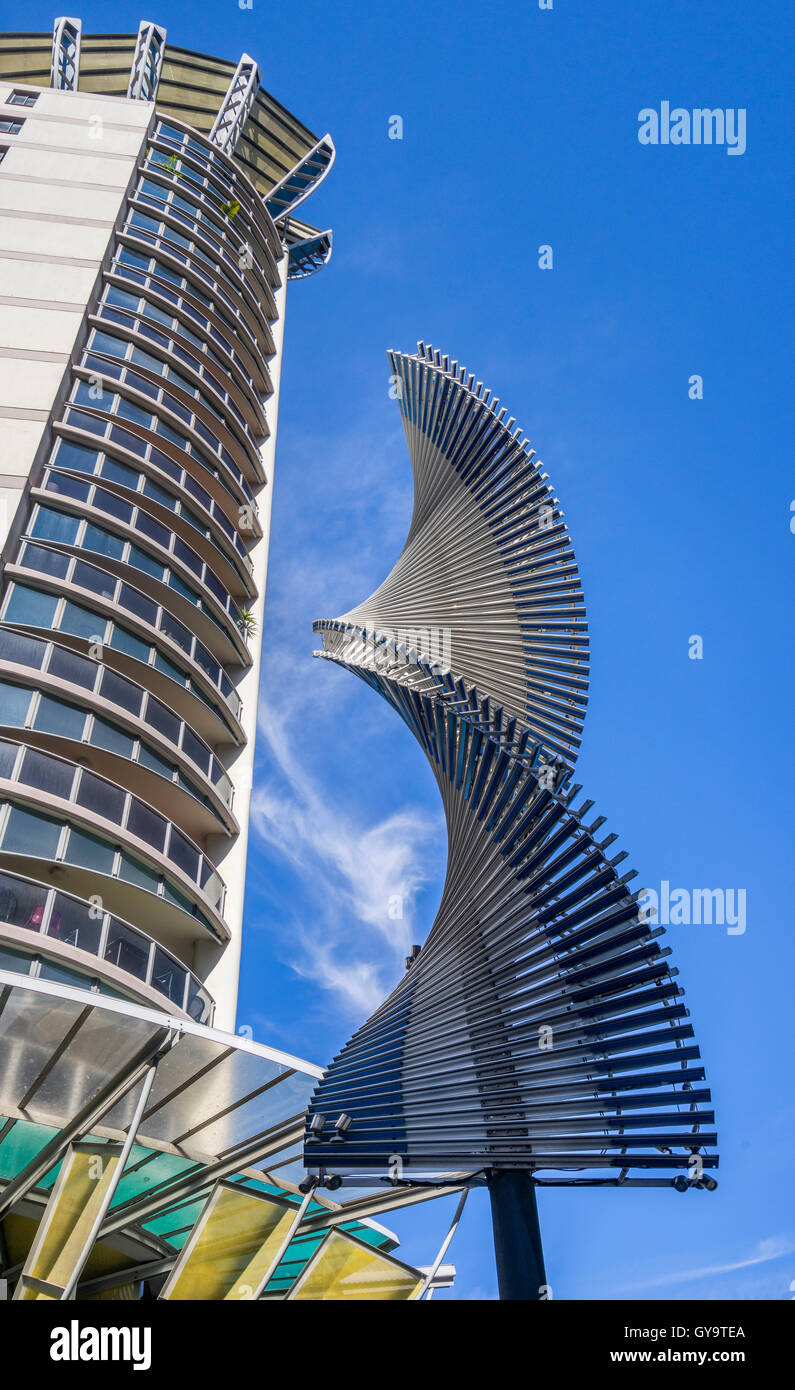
{"x": 540, "y": 1028}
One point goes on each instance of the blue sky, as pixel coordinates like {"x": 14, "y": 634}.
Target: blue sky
{"x": 520, "y": 130}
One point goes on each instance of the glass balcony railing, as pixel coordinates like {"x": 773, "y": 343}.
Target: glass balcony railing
{"x": 150, "y": 289}
{"x": 220, "y": 177}
{"x": 22, "y": 707}
{"x": 199, "y": 443}
{"x": 103, "y": 540}
{"x": 72, "y": 922}
{"x": 36, "y": 608}
{"x": 98, "y": 679}
{"x": 154, "y": 272}
{"x": 57, "y": 777}
{"x": 213, "y": 191}
{"x": 79, "y": 458}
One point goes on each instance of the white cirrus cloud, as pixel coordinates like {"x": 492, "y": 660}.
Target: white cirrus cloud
{"x": 363, "y": 880}
{"x": 770, "y": 1248}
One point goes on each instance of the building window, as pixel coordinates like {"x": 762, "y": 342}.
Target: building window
{"x": 101, "y": 797}
{"x": 127, "y": 949}
{"x": 22, "y": 903}
{"x": 55, "y": 526}
{"x": 29, "y": 833}
{"x": 55, "y": 717}
{"x": 167, "y": 977}
{"x": 14, "y": 960}
{"x": 75, "y": 924}
{"x": 15, "y": 701}
{"x": 30, "y": 606}
{"x": 89, "y": 852}
{"x": 3, "y": 152}
{"x": 47, "y": 774}
{"x": 9, "y": 127}
{"x": 75, "y": 456}
{"x": 36, "y": 557}
{"x": 80, "y": 622}
{"x": 18, "y": 98}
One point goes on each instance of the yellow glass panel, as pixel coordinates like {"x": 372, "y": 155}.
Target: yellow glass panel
{"x": 231, "y": 1247}
{"x": 86, "y": 1173}
{"x": 343, "y": 1268}
{"x": 119, "y": 1292}
{"x": 20, "y": 1233}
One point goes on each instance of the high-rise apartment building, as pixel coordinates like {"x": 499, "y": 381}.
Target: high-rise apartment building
{"x": 147, "y": 234}
{"x": 148, "y": 229}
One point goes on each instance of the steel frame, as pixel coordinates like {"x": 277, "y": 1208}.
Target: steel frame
{"x": 147, "y": 61}
{"x": 307, "y": 175}
{"x": 234, "y": 109}
{"x": 65, "y": 64}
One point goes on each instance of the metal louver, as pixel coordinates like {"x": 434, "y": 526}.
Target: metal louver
{"x": 541, "y": 1026}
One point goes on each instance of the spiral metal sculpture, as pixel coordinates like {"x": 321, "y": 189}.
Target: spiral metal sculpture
{"x": 540, "y": 1027}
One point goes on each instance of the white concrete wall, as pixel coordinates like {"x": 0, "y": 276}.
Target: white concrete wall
{"x": 62, "y": 186}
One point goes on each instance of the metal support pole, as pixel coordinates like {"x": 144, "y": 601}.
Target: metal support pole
{"x": 129, "y": 1140}
{"x": 517, "y": 1235}
{"x": 275, "y": 1262}
{"x": 426, "y": 1290}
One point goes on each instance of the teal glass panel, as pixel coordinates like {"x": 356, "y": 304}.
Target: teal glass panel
{"x": 123, "y": 641}
{"x": 30, "y": 606}
{"x": 113, "y": 739}
{"x": 50, "y": 971}
{"x": 14, "y": 960}
{"x": 81, "y": 623}
{"x": 148, "y": 758}
{"x": 133, "y": 871}
{"x": 29, "y": 833}
{"x": 14, "y": 704}
{"x": 163, "y": 664}
{"x": 56, "y": 717}
{"x": 55, "y": 526}
{"x": 173, "y": 895}
{"x": 144, "y": 562}
{"x": 22, "y": 1142}
{"x": 89, "y": 852}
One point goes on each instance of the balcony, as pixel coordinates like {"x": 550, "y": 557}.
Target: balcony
{"x": 60, "y": 814}
{"x": 54, "y": 935}
{"x": 70, "y": 720}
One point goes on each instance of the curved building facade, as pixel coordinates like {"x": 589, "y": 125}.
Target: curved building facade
{"x": 148, "y": 229}
{"x": 147, "y": 233}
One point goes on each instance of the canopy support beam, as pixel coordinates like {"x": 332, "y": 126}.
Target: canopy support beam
{"x": 86, "y": 1118}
